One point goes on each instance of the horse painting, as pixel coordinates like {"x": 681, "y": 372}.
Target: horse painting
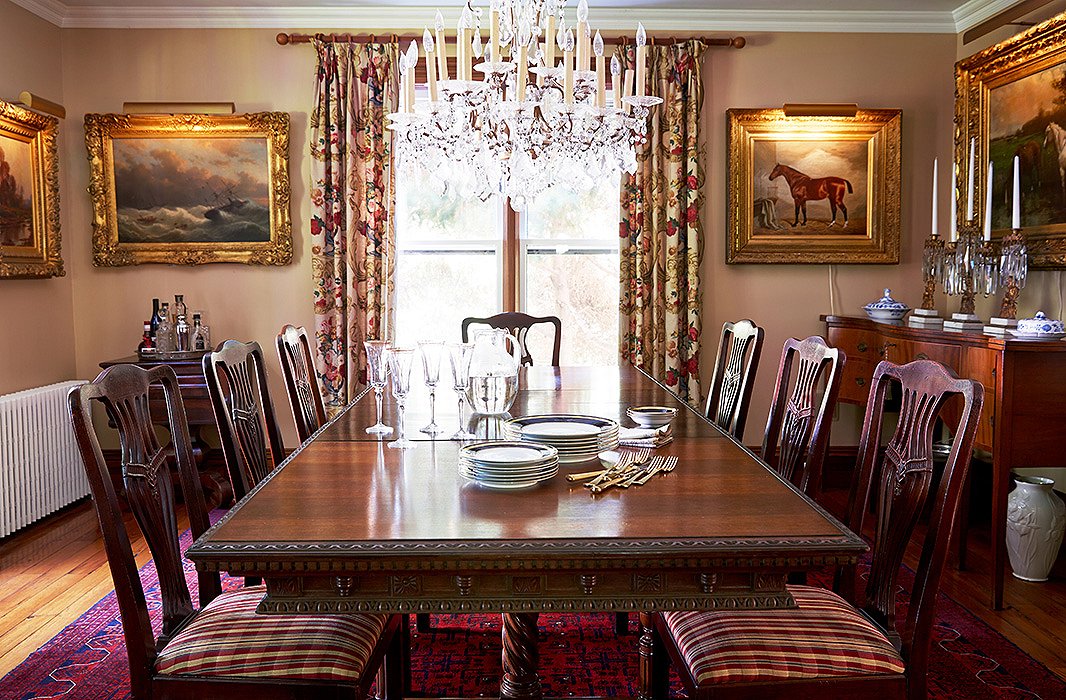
{"x": 1055, "y": 134}
{"x": 806, "y": 189}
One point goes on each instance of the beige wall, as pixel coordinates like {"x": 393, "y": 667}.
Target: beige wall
{"x": 910, "y": 72}
{"x": 36, "y": 331}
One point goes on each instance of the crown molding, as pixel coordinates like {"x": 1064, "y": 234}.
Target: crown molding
{"x": 409, "y": 17}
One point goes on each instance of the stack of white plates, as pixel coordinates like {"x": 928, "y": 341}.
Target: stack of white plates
{"x": 508, "y": 465}
{"x": 578, "y": 438}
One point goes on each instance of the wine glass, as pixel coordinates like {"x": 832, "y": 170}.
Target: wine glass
{"x": 461, "y": 354}
{"x": 400, "y": 361}
{"x": 377, "y": 373}
{"x": 431, "y": 353}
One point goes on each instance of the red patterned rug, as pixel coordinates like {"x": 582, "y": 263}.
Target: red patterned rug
{"x": 580, "y": 656}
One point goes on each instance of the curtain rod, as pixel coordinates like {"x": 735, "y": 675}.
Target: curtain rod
{"x": 736, "y": 42}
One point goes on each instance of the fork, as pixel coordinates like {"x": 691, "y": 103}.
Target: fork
{"x": 667, "y": 465}
{"x": 629, "y": 461}
{"x": 654, "y": 465}
{"x": 625, "y": 477}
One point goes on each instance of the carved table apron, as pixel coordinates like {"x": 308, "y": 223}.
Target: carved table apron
{"x": 346, "y": 524}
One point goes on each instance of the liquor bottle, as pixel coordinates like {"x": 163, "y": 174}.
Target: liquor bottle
{"x": 164, "y": 333}
{"x": 179, "y": 306}
{"x": 181, "y": 334}
{"x": 200, "y": 334}
{"x": 147, "y": 344}
{"x": 154, "y": 317}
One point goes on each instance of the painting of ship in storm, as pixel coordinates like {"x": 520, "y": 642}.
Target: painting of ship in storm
{"x": 192, "y": 190}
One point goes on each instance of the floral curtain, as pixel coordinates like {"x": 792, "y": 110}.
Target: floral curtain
{"x": 352, "y": 239}
{"x": 661, "y": 232}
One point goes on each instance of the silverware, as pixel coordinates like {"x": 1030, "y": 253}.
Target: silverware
{"x": 623, "y": 477}
{"x": 636, "y": 476}
{"x": 667, "y": 465}
{"x": 628, "y": 461}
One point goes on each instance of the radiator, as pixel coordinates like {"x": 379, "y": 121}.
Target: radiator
{"x": 40, "y": 467}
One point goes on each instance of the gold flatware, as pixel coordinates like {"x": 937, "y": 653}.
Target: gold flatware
{"x": 628, "y": 461}
{"x": 624, "y": 477}
{"x": 667, "y": 465}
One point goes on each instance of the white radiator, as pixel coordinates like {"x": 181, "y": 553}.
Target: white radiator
{"x": 40, "y": 468}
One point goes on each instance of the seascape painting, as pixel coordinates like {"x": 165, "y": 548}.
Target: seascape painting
{"x": 192, "y": 190}
{"x": 1027, "y": 119}
{"x": 16, "y": 193}
{"x": 808, "y": 187}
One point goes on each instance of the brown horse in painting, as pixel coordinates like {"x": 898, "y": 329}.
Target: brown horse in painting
{"x": 806, "y": 189}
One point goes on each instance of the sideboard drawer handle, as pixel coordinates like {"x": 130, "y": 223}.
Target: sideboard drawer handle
{"x": 921, "y": 356}
{"x": 863, "y": 347}
{"x": 884, "y": 350}
{"x": 860, "y": 381}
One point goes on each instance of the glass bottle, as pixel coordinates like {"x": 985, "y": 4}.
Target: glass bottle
{"x": 154, "y": 322}
{"x": 179, "y": 306}
{"x": 164, "y": 333}
{"x": 181, "y": 334}
{"x": 147, "y": 344}
{"x": 200, "y": 334}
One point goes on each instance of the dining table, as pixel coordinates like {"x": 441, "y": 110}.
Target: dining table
{"x": 348, "y": 524}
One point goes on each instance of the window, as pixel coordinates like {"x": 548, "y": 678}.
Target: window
{"x": 456, "y": 257}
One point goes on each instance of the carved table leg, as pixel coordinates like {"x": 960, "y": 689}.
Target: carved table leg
{"x": 520, "y": 680}
{"x": 654, "y": 666}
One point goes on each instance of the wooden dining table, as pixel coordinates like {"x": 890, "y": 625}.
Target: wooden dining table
{"x": 348, "y": 524}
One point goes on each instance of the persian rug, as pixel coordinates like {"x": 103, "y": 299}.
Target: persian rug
{"x": 580, "y": 655}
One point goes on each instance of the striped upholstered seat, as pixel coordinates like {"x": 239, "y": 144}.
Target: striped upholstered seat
{"x": 824, "y": 637}
{"x": 227, "y": 638}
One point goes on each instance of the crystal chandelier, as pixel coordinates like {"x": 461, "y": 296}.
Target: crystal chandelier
{"x": 532, "y": 121}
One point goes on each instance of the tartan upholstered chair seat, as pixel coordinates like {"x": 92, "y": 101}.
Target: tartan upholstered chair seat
{"x": 824, "y": 637}
{"x": 227, "y": 638}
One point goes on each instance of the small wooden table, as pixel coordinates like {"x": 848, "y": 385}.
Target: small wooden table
{"x": 1024, "y": 418}
{"x": 348, "y": 524}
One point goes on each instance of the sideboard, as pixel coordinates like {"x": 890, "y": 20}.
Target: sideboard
{"x": 198, "y": 412}
{"x": 1023, "y": 423}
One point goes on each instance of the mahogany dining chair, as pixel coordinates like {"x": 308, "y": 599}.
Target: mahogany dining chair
{"x": 301, "y": 381}
{"x": 797, "y": 428}
{"x": 729, "y": 397}
{"x": 236, "y": 379}
{"x": 519, "y": 324}
{"x": 835, "y": 644}
{"x": 223, "y": 648}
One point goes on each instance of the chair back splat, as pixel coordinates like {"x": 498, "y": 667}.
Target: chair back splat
{"x": 301, "y": 382}
{"x": 734, "y": 376}
{"x": 518, "y": 324}
{"x": 247, "y": 425}
{"x": 797, "y": 429}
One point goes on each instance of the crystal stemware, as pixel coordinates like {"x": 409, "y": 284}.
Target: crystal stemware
{"x": 460, "y": 355}
{"x": 377, "y": 373}
{"x": 400, "y": 361}
{"x": 431, "y": 354}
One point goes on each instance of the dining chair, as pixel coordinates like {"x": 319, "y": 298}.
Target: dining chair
{"x": 223, "y": 648}
{"x": 519, "y": 324}
{"x": 247, "y": 425}
{"x": 797, "y": 429}
{"x": 739, "y": 349}
{"x": 835, "y": 644}
{"x": 301, "y": 381}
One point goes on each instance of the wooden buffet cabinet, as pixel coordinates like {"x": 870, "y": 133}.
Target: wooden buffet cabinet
{"x": 1024, "y": 419}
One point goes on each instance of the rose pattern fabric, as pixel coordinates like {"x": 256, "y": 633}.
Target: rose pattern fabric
{"x": 352, "y": 204}
{"x": 661, "y": 232}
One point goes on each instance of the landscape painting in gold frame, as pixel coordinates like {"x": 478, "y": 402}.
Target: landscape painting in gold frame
{"x": 813, "y": 189}
{"x": 189, "y": 189}
{"x": 29, "y": 194}
{"x": 1011, "y": 99}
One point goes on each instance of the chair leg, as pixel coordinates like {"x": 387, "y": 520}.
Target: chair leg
{"x": 962, "y": 526}
{"x": 394, "y": 675}
{"x": 422, "y": 622}
{"x": 654, "y": 664}
{"x": 621, "y": 623}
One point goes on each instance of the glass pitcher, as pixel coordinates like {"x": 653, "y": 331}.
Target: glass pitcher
{"x": 494, "y": 372}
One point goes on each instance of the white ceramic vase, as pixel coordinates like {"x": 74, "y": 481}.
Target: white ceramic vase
{"x": 1036, "y": 519}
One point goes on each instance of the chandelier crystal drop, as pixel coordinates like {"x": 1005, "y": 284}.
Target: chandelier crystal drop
{"x": 537, "y": 118}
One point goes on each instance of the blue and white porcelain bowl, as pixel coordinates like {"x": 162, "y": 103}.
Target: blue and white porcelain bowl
{"x": 886, "y": 308}
{"x": 1040, "y": 327}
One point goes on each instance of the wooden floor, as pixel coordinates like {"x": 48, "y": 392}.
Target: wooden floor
{"x": 55, "y": 571}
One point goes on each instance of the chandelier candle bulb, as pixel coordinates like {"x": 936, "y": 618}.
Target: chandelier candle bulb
{"x": 935, "y": 172}
{"x": 441, "y": 47}
{"x": 583, "y": 35}
{"x": 616, "y": 89}
{"x": 431, "y": 73}
{"x": 601, "y": 72}
{"x": 568, "y": 68}
{"x": 642, "y": 59}
{"x": 988, "y": 205}
{"x": 1016, "y": 202}
{"x": 969, "y": 187}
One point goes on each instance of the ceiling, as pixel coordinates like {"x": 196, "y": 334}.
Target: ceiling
{"x": 926, "y": 16}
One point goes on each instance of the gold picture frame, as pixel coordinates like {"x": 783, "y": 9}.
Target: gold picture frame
{"x": 813, "y": 189}
{"x": 29, "y": 194}
{"x": 1004, "y": 96}
{"x": 189, "y": 189}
